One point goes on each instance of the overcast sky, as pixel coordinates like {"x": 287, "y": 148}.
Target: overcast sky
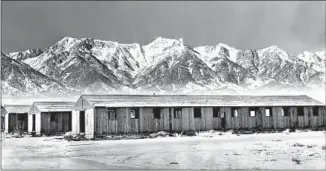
{"x": 293, "y": 26}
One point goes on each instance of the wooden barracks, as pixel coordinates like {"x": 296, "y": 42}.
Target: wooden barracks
{"x": 110, "y": 114}
{"x": 107, "y": 114}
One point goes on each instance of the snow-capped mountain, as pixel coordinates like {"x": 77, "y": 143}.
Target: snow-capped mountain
{"x": 19, "y": 78}
{"x": 176, "y": 68}
{"x": 93, "y": 65}
{"x": 72, "y": 62}
{"x": 30, "y": 53}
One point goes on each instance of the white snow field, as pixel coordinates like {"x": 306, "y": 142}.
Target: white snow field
{"x": 210, "y": 150}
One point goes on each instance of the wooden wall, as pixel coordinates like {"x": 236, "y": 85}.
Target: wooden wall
{"x": 61, "y": 124}
{"x": 2, "y": 122}
{"x": 89, "y": 123}
{"x": 6, "y": 123}
{"x": 75, "y": 122}
{"x": 147, "y": 123}
{"x": 30, "y": 121}
{"x": 16, "y": 125}
{"x": 38, "y": 123}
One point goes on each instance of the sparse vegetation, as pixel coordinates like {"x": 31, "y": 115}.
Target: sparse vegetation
{"x": 296, "y": 160}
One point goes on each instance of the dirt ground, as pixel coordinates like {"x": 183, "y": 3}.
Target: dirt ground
{"x": 299, "y": 150}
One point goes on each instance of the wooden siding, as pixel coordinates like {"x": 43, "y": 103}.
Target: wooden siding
{"x": 89, "y": 123}
{"x": 30, "y": 121}
{"x": 17, "y": 125}
{"x": 97, "y": 119}
{"x": 38, "y": 123}
{"x": 2, "y": 123}
{"x": 6, "y": 123}
{"x": 75, "y": 122}
{"x": 60, "y": 124}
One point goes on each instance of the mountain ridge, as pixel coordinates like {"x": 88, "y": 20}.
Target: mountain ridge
{"x": 169, "y": 65}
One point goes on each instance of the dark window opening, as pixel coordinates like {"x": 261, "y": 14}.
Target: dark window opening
{"x": 315, "y": 111}
{"x": 177, "y": 113}
{"x": 52, "y": 117}
{"x": 112, "y": 115}
{"x": 300, "y": 111}
{"x": 216, "y": 112}
{"x": 285, "y": 111}
{"x": 157, "y": 113}
{"x": 134, "y": 113}
{"x": 234, "y": 113}
{"x": 197, "y": 112}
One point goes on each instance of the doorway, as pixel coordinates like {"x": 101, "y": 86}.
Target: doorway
{"x": 82, "y": 121}
{"x": 223, "y": 125}
{"x": 170, "y": 119}
{"x": 33, "y": 123}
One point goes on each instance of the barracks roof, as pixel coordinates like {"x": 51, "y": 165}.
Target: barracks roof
{"x": 52, "y": 106}
{"x": 194, "y": 100}
{"x": 15, "y": 109}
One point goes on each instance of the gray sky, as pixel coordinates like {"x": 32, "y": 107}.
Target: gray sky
{"x": 293, "y": 26}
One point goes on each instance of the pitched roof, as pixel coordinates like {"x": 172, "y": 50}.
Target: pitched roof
{"x": 196, "y": 100}
{"x": 52, "y": 106}
{"x": 16, "y": 108}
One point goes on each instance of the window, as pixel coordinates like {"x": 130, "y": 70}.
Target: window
{"x": 252, "y": 112}
{"x": 223, "y": 115}
{"x": 197, "y": 112}
{"x": 216, "y": 112}
{"x": 134, "y": 113}
{"x": 285, "y": 111}
{"x": 157, "y": 113}
{"x": 177, "y": 113}
{"x": 268, "y": 112}
{"x": 300, "y": 111}
{"x": 52, "y": 117}
{"x": 315, "y": 110}
{"x": 112, "y": 114}
{"x": 234, "y": 113}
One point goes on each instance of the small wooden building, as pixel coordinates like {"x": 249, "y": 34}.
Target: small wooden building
{"x": 15, "y": 118}
{"x": 50, "y": 117}
{"x": 107, "y": 114}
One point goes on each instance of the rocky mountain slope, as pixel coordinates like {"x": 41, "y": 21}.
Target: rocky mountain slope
{"x": 168, "y": 65}
{"x": 20, "y": 78}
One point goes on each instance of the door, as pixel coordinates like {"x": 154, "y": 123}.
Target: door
{"x": 33, "y": 123}
{"x": 82, "y": 121}
{"x": 223, "y": 119}
{"x": 170, "y": 119}
{"x": 259, "y": 120}
{"x": 70, "y": 121}
{"x": 11, "y": 123}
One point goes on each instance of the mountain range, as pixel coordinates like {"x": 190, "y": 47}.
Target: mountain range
{"x": 165, "y": 65}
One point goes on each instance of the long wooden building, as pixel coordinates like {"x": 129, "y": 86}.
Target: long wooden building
{"x": 107, "y": 114}
{"x": 15, "y": 118}
{"x": 50, "y": 117}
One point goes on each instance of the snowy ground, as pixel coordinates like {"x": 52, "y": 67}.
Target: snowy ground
{"x": 299, "y": 150}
